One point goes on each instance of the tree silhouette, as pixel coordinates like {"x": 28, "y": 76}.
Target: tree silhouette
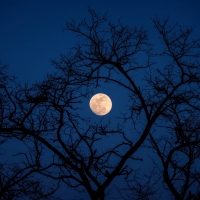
{"x": 20, "y": 183}
{"x": 163, "y": 109}
{"x": 17, "y": 179}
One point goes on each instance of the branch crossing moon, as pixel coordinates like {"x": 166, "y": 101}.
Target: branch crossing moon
{"x": 100, "y": 104}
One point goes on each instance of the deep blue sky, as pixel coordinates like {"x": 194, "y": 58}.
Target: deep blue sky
{"x": 31, "y": 31}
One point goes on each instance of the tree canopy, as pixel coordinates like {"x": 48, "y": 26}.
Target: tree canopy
{"x": 162, "y": 84}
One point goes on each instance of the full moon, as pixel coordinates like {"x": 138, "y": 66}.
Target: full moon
{"x": 100, "y": 104}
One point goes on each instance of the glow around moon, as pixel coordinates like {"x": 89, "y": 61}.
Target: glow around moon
{"x": 100, "y": 104}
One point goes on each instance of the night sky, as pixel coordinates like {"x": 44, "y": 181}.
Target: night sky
{"x": 31, "y": 34}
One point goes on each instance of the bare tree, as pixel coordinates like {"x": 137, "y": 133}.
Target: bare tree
{"x": 17, "y": 178}
{"x": 179, "y": 147}
{"x": 17, "y": 182}
{"x": 163, "y": 109}
{"x": 140, "y": 187}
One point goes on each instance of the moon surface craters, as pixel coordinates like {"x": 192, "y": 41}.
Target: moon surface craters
{"x": 100, "y": 104}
